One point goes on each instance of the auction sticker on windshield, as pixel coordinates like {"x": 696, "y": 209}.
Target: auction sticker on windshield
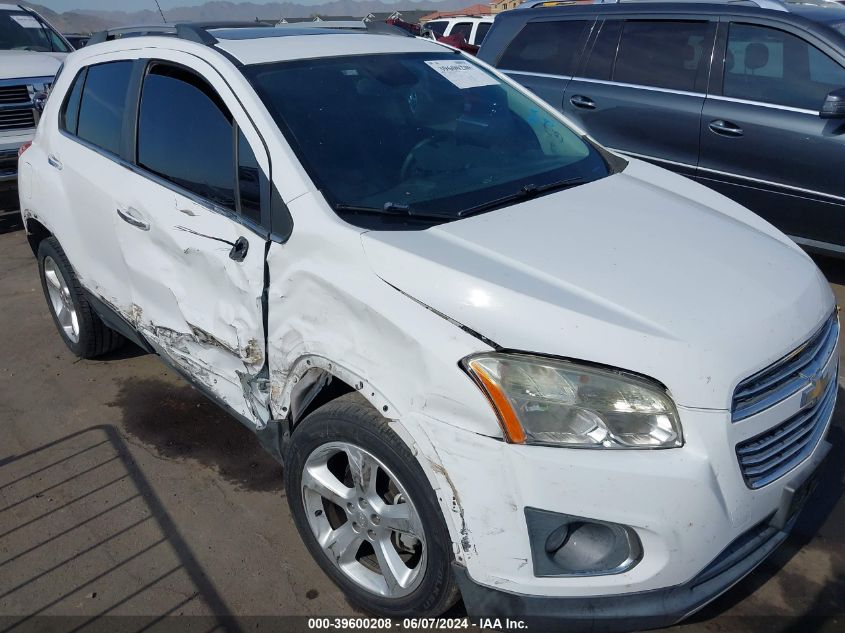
{"x": 463, "y": 74}
{"x": 27, "y": 21}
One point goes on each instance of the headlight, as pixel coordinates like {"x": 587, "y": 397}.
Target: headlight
{"x": 554, "y": 402}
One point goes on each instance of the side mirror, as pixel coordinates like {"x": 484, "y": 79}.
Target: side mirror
{"x": 834, "y": 105}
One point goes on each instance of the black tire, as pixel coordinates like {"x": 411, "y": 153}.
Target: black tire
{"x": 95, "y": 338}
{"x": 352, "y": 420}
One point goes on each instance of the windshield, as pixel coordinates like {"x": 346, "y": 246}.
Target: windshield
{"x": 20, "y": 31}
{"x": 420, "y": 135}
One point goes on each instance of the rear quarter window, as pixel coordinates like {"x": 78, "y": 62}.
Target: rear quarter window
{"x": 102, "y": 107}
{"x": 545, "y": 47}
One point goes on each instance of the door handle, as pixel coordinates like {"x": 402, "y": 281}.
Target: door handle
{"x": 580, "y": 101}
{"x": 239, "y": 249}
{"x": 725, "y": 128}
{"x": 131, "y": 216}
{"x": 55, "y": 162}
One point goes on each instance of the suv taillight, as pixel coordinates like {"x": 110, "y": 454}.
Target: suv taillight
{"x": 24, "y": 147}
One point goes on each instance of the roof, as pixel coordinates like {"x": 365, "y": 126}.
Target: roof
{"x": 291, "y": 43}
{"x": 712, "y": 7}
{"x": 472, "y": 10}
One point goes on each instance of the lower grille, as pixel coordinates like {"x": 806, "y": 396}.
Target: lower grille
{"x": 770, "y": 455}
{"x": 738, "y": 551}
{"x": 17, "y": 119}
{"x": 14, "y": 94}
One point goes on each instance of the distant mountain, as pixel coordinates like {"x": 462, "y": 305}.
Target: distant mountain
{"x": 90, "y": 20}
{"x": 73, "y": 21}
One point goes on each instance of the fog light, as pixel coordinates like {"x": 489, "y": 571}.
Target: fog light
{"x": 565, "y": 545}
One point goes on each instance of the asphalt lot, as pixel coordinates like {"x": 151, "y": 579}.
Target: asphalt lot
{"x": 124, "y": 492}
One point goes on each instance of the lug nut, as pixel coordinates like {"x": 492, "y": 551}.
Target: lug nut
{"x": 375, "y": 519}
{"x": 371, "y": 534}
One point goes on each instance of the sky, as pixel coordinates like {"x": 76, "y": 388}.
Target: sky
{"x": 118, "y": 5}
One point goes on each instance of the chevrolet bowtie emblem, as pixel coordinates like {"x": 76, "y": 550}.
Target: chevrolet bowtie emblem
{"x": 815, "y": 390}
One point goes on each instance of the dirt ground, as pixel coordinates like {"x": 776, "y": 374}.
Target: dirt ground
{"x": 124, "y": 492}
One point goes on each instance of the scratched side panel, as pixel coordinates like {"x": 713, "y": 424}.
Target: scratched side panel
{"x": 328, "y": 309}
{"x": 190, "y": 300}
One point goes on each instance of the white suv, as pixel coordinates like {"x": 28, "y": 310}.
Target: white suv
{"x": 473, "y": 28}
{"x": 31, "y": 52}
{"x": 492, "y": 355}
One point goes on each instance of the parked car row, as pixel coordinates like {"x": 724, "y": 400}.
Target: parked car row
{"x": 746, "y": 98}
{"x": 31, "y": 52}
{"x": 497, "y": 359}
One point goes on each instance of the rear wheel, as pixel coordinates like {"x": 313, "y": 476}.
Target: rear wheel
{"x": 367, "y": 513}
{"x": 81, "y": 329}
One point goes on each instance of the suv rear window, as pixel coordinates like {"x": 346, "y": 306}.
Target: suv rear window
{"x": 100, "y": 118}
{"x": 663, "y": 54}
{"x": 462, "y": 28}
{"x": 545, "y": 47}
{"x": 438, "y": 26}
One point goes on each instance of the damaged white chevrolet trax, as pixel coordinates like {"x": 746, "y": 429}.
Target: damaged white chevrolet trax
{"x": 497, "y": 360}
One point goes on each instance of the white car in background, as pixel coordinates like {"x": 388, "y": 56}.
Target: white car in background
{"x": 31, "y": 53}
{"x": 474, "y": 28}
{"x": 494, "y": 357}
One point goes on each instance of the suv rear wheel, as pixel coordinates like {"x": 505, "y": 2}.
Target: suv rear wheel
{"x": 81, "y": 329}
{"x": 367, "y": 513}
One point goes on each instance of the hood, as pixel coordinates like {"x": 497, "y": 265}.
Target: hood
{"x": 644, "y": 270}
{"x": 26, "y": 64}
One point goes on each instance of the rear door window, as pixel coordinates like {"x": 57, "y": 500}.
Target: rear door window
{"x": 545, "y": 47}
{"x": 772, "y": 66}
{"x": 101, "y": 110}
{"x": 664, "y": 54}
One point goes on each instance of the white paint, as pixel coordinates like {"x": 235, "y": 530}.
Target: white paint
{"x": 644, "y": 270}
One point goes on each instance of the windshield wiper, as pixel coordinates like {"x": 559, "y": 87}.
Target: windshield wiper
{"x": 392, "y": 209}
{"x": 526, "y": 192}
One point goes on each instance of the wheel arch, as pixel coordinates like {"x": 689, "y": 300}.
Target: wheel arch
{"x": 36, "y": 232}
{"x": 315, "y": 381}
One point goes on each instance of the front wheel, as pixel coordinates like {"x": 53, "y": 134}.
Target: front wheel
{"x": 367, "y": 513}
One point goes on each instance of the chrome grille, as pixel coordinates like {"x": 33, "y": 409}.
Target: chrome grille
{"x": 787, "y": 376}
{"x": 772, "y": 454}
{"x": 17, "y": 119}
{"x": 14, "y": 94}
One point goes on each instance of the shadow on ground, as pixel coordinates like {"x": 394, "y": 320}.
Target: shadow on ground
{"x": 94, "y": 518}
{"x": 177, "y": 422}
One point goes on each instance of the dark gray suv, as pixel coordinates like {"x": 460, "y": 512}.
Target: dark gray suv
{"x": 747, "y": 98}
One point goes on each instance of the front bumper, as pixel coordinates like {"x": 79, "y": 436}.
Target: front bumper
{"x": 9, "y": 146}
{"x": 658, "y": 607}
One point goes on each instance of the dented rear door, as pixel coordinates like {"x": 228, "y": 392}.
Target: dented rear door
{"x": 192, "y": 233}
